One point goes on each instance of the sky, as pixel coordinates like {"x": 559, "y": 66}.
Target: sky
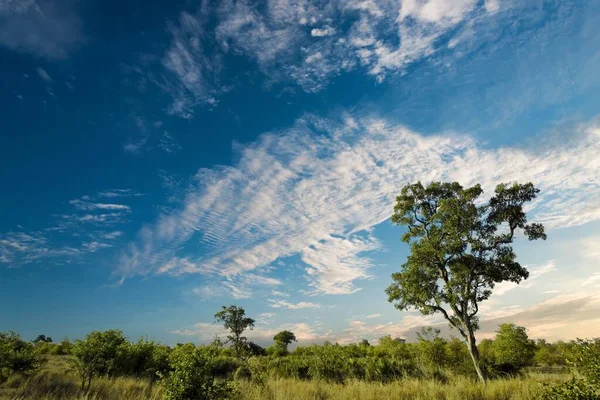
{"x": 161, "y": 159}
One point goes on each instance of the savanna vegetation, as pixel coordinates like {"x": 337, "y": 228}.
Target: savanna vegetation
{"x": 460, "y": 249}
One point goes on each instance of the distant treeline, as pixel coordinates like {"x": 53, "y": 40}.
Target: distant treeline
{"x": 210, "y": 371}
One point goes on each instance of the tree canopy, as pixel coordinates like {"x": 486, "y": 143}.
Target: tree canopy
{"x": 235, "y": 321}
{"x": 460, "y": 249}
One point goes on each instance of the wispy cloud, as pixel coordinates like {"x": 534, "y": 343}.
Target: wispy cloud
{"x": 292, "y": 306}
{"x": 308, "y": 41}
{"x": 17, "y": 248}
{"x": 50, "y": 29}
{"x": 87, "y": 205}
{"x": 89, "y": 228}
{"x": 44, "y": 75}
{"x": 534, "y": 274}
{"x": 315, "y": 190}
{"x": 119, "y": 193}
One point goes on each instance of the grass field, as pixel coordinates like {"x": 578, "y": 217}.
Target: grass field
{"x": 55, "y": 381}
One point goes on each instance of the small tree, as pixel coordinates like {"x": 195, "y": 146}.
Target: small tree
{"x": 235, "y": 321}
{"x": 100, "y": 353}
{"x": 283, "y": 339}
{"x": 432, "y": 348}
{"x": 192, "y": 375}
{"x": 460, "y": 249}
{"x": 16, "y": 356}
{"x": 42, "y": 339}
{"x": 512, "y": 348}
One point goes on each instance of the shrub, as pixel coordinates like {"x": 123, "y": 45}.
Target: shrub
{"x": 145, "y": 359}
{"x": 16, "y": 356}
{"x": 191, "y": 376}
{"x": 574, "y": 389}
{"x": 587, "y": 359}
{"x": 100, "y": 353}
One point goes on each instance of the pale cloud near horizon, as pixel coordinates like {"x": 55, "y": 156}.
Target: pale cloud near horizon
{"x": 553, "y": 319}
{"x": 292, "y": 306}
{"x": 534, "y": 274}
{"x": 318, "y": 195}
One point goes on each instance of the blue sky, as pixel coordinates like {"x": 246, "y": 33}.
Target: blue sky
{"x": 160, "y": 160}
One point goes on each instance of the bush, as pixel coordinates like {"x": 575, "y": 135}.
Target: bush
{"x": 587, "y": 359}
{"x": 574, "y": 389}
{"x": 144, "y": 359}
{"x": 191, "y": 376}
{"x": 100, "y": 353}
{"x": 17, "y": 356}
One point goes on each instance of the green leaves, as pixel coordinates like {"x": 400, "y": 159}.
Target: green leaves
{"x": 16, "y": 356}
{"x": 235, "y": 321}
{"x": 460, "y": 248}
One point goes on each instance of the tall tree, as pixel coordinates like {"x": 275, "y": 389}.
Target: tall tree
{"x": 283, "y": 339}
{"x": 460, "y": 249}
{"x": 235, "y": 321}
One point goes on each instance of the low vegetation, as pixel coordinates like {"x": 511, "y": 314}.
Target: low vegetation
{"x": 106, "y": 365}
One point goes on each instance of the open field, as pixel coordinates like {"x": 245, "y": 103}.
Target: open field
{"x": 55, "y": 381}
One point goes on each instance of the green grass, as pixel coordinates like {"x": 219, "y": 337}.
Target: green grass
{"x": 55, "y": 382}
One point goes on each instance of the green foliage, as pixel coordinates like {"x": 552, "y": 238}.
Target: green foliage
{"x": 574, "y": 389}
{"x": 192, "y": 376}
{"x": 283, "y": 339}
{"x": 42, "y": 338}
{"x": 460, "y": 249}
{"x": 512, "y": 350}
{"x": 552, "y": 354}
{"x": 587, "y": 360}
{"x": 100, "y": 353}
{"x": 16, "y": 356}
{"x": 235, "y": 321}
{"x": 144, "y": 359}
{"x": 431, "y": 348}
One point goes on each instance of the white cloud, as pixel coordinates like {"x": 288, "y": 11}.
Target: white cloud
{"x": 534, "y": 273}
{"x": 279, "y": 294}
{"x": 119, "y": 193}
{"x": 94, "y": 246}
{"x": 17, "y": 248}
{"x": 86, "y": 205}
{"x": 112, "y": 235}
{"x": 315, "y": 188}
{"x": 560, "y": 318}
{"x": 89, "y": 229}
{"x": 195, "y": 71}
{"x": 334, "y": 263}
{"x": 292, "y": 306}
{"x": 595, "y": 278}
{"x": 168, "y": 143}
{"x": 205, "y": 332}
{"x": 591, "y": 248}
{"x": 47, "y": 29}
{"x": 384, "y": 37}
{"x": 44, "y": 75}
{"x": 320, "y": 32}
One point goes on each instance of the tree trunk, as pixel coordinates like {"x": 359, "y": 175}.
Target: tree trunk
{"x": 475, "y": 355}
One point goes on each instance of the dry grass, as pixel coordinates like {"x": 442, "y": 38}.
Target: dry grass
{"x": 55, "y": 382}
{"x": 457, "y": 389}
